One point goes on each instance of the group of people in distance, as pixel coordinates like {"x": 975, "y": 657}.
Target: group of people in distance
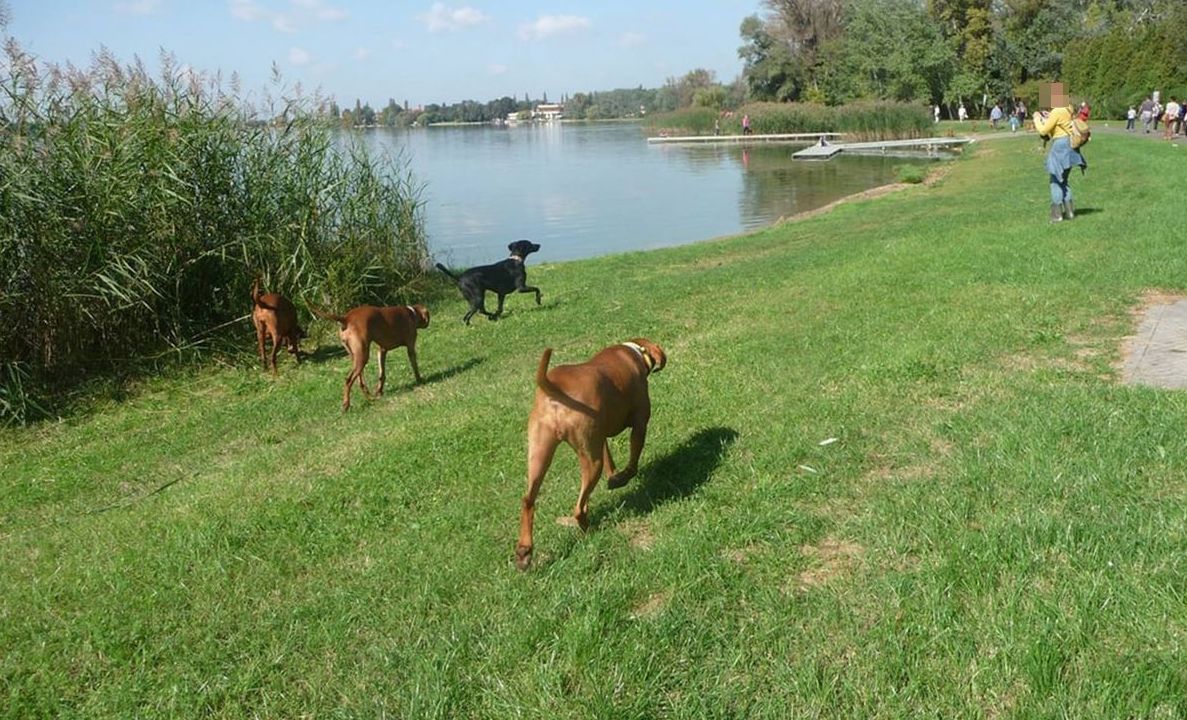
{"x": 1151, "y": 112}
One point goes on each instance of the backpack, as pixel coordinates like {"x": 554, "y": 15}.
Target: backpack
{"x": 1080, "y": 133}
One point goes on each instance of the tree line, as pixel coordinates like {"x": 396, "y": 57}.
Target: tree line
{"x": 976, "y": 52}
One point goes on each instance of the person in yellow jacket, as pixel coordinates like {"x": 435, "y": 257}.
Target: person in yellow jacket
{"x": 1056, "y": 125}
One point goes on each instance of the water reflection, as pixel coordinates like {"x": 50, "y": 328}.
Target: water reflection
{"x": 584, "y": 190}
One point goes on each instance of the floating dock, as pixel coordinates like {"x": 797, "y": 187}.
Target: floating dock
{"x": 734, "y": 139}
{"x": 824, "y": 151}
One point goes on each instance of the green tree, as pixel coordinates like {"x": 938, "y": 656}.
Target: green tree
{"x": 770, "y": 70}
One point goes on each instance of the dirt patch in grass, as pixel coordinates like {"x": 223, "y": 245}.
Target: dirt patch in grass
{"x": 650, "y": 607}
{"x": 833, "y": 558}
{"x": 638, "y": 534}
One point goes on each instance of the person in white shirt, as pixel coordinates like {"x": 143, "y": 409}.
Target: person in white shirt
{"x": 1171, "y": 118}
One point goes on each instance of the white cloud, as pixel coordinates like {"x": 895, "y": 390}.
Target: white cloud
{"x": 442, "y": 17}
{"x": 398, "y": 44}
{"x": 246, "y": 10}
{"x": 549, "y": 25}
{"x": 320, "y": 10}
{"x": 631, "y": 39}
{"x": 299, "y": 56}
{"x": 300, "y": 13}
{"x": 362, "y": 53}
{"x": 496, "y": 69}
{"x": 138, "y": 7}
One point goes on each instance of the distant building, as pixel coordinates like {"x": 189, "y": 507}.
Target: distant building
{"x": 548, "y": 112}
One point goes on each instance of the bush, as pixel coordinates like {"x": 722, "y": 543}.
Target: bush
{"x": 135, "y": 213}
{"x": 860, "y": 121}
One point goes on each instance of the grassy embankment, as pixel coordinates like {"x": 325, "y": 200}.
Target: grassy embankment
{"x": 999, "y": 529}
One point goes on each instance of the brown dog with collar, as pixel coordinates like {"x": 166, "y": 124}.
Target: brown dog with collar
{"x": 584, "y": 405}
{"x": 276, "y": 318}
{"x": 388, "y": 327}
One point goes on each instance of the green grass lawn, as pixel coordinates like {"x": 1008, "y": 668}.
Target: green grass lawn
{"x": 1000, "y": 528}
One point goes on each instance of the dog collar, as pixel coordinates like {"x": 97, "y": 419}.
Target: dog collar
{"x": 516, "y": 257}
{"x": 642, "y": 352}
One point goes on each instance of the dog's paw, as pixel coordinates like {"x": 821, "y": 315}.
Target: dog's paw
{"x": 523, "y": 557}
{"x": 620, "y": 479}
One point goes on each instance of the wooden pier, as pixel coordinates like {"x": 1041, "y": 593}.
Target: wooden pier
{"x": 734, "y": 139}
{"x": 826, "y": 151}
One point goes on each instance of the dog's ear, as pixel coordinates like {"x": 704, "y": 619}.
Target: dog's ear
{"x": 655, "y": 351}
{"x": 422, "y": 314}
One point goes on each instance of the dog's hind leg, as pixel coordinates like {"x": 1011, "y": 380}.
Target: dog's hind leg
{"x": 541, "y": 449}
{"x": 358, "y": 357}
{"x": 275, "y": 350}
{"x": 260, "y": 344}
{"x": 638, "y": 437}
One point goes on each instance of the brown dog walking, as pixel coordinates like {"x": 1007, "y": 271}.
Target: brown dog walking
{"x": 388, "y": 327}
{"x": 584, "y": 405}
{"x": 276, "y": 318}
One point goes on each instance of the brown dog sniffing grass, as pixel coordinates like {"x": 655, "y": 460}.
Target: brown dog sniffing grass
{"x": 389, "y": 327}
{"x": 276, "y": 318}
{"x": 584, "y": 405}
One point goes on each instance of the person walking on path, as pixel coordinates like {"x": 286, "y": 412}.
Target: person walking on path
{"x": 936, "y": 112}
{"x": 746, "y": 124}
{"x": 1171, "y": 119}
{"x": 1130, "y": 116}
{"x": 1147, "y": 111}
{"x": 995, "y": 116}
{"x": 961, "y": 113}
{"x": 1062, "y": 157}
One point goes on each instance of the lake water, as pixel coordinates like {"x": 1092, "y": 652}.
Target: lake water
{"x": 582, "y": 190}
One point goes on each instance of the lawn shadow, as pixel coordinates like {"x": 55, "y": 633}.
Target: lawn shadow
{"x": 437, "y": 376}
{"x": 324, "y": 353}
{"x": 675, "y": 475}
{"x": 1088, "y": 211}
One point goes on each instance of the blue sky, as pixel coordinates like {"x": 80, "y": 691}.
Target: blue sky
{"x": 416, "y": 50}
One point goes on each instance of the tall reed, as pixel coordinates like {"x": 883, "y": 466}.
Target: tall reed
{"x": 135, "y": 212}
{"x": 860, "y": 121}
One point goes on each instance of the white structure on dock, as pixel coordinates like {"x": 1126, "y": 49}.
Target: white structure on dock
{"x": 824, "y": 151}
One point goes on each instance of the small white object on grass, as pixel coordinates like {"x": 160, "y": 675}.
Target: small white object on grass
{"x": 827, "y": 441}
{"x": 807, "y": 468}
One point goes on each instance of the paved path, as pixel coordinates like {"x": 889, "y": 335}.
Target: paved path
{"x": 1157, "y": 354}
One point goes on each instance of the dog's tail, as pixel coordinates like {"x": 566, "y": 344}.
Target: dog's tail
{"x": 341, "y": 320}
{"x": 555, "y": 392}
{"x": 256, "y": 296}
{"x": 542, "y": 380}
{"x": 445, "y": 270}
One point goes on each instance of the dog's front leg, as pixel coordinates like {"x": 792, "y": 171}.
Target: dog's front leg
{"x": 528, "y": 289}
{"x": 607, "y": 459}
{"x": 591, "y": 472}
{"x": 412, "y": 362}
{"x": 638, "y": 437}
{"x": 382, "y": 370}
{"x": 499, "y": 309}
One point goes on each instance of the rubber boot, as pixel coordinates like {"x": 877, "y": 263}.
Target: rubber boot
{"x": 1069, "y": 210}
{"x": 1056, "y": 212}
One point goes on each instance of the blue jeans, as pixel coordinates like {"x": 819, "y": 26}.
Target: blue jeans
{"x": 1061, "y": 192}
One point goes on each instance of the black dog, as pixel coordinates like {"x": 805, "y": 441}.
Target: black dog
{"x": 502, "y": 278}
